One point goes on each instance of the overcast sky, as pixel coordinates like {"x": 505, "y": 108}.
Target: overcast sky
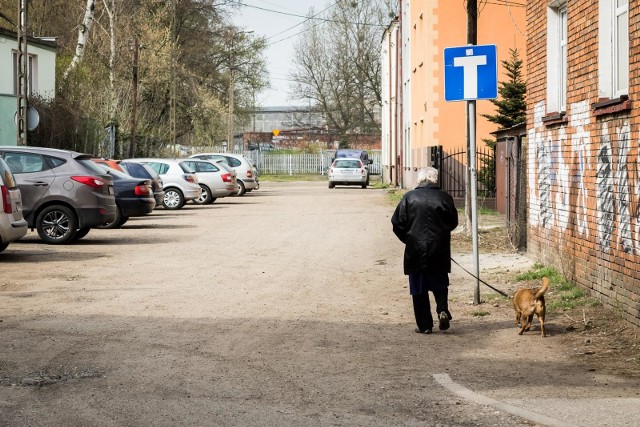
{"x": 275, "y": 23}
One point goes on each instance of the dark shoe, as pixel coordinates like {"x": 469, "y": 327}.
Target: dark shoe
{"x": 443, "y": 318}
{"x": 426, "y": 331}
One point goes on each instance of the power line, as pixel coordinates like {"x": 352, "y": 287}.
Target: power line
{"x": 306, "y": 20}
{"x": 240, "y": 3}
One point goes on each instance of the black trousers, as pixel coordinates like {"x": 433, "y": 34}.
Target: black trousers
{"x": 422, "y": 308}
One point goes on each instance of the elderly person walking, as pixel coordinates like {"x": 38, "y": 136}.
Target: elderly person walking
{"x": 423, "y": 221}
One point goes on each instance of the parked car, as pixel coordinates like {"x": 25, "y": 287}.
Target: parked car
{"x": 12, "y": 224}
{"x": 64, "y": 193}
{"x": 180, "y": 183}
{"x": 349, "y": 153}
{"x": 134, "y": 197}
{"x": 140, "y": 170}
{"x": 216, "y": 180}
{"x": 344, "y": 171}
{"x": 247, "y": 174}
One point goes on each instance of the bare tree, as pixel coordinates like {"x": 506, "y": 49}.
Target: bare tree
{"x": 337, "y": 64}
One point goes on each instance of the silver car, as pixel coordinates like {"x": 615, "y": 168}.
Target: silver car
{"x": 64, "y": 193}
{"x": 345, "y": 171}
{"x": 12, "y": 224}
{"x": 216, "y": 180}
{"x": 247, "y": 174}
{"x": 180, "y": 183}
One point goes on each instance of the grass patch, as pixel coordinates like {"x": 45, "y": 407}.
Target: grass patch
{"x": 394, "y": 195}
{"x": 480, "y": 313}
{"x": 562, "y": 294}
{"x": 293, "y": 178}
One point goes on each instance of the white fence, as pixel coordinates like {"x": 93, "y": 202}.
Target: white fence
{"x": 301, "y": 163}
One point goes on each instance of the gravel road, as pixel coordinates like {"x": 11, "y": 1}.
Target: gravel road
{"x": 284, "y": 307}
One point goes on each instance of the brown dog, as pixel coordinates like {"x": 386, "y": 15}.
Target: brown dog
{"x": 527, "y": 302}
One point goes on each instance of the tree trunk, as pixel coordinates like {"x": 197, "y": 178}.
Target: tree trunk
{"x": 83, "y": 37}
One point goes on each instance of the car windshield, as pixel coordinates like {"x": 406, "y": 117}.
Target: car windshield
{"x": 113, "y": 172}
{"x": 91, "y": 165}
{"x": 186, "y": 168}
{"x": 344, "y": 164}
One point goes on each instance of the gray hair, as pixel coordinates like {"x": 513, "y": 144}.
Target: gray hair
{"x": 427, "y": 176}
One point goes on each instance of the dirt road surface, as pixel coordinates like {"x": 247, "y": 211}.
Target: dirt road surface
{"x": 285, "y": 307}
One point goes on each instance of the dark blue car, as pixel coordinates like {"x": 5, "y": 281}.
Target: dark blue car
{"x": 134, "y": 197}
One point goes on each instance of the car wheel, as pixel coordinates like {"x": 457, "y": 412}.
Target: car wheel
{"x": 57, "y": 225}
{"x": 331, "y": 185}
{"x": 123, "y": 220}
{"x": 3, "y": 246}
{"x": 213, "y": 199}
{"x": 205, "y": 196}
{"x": 113, "y": 224}
{"x": 364, "y": 185}
{"x": 81, "y": 233}
{"x": 173, "y": 199}
{"x": 241, "y": 189}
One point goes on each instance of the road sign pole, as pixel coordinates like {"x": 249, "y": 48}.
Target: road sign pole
{"x": 473, "y": 176}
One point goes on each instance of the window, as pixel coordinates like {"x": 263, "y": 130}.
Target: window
{"x": 613, "y": 48}
{"x": 25, "y": 162}
{"x": 557, "y": 38}
{"x": 32, "y": 70}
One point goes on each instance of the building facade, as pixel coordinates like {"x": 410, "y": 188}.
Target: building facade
{"x": 582, "y": 149}
{"x": 41, "y": 78}
{"x": 426, "y": 28}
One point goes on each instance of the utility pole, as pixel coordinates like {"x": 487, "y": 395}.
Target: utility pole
{"x": 21, "y": 73}
{"x": 471, "y": 200}
{"x": 231, "y": 94}
{"x": 134, "y": 98}
{"x": 172, "y": 101}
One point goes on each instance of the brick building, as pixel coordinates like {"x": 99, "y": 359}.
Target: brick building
{"x": 583, "y": 63}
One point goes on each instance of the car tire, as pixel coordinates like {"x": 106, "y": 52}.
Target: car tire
{"x": 205, "y": 196}
{"x": 213, "y": 199}
{"x": 81, "y": 233}
{"x": 364, "y": 185}
{"x": 123, "y": 221}
{"x": 57, "y": 225}
{"x": 331, "y": 185}
{"x": 3, "y": 246}
{"x": 173, "y": 199}
{"x": 241, "y": 189}
{"x": 113, "y": 224}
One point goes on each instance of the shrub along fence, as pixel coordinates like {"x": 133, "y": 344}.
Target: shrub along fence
{"x": 302, "y": 163}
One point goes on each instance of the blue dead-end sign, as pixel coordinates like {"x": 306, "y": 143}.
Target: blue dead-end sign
{"x": 470, "y": 72}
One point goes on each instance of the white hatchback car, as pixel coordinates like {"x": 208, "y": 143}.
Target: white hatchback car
{"x": 180, "y": 183}
{"x": 346, "y": 171}
{"x": 12, "y": 224}
{"x": 216, "y": 180}
{"x": 247, "y": 174}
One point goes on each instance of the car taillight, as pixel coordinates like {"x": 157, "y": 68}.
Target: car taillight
{"x": 91, "y": 181}
{"x": 6, "y": 200}
{"x": 331, "y": 170}
{"x": 249, "y": 174}
{"x": 226, "y": 177}
{"x": 190, "y": 178}
{"x": 141, "y": 190}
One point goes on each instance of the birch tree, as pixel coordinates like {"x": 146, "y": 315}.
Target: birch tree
{"x": 84, "y": 30}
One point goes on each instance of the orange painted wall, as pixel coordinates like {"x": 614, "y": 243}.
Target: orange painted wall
{"x": 436, "y": 24}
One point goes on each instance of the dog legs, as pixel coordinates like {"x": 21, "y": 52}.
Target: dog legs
{"x": 541, "y": 320}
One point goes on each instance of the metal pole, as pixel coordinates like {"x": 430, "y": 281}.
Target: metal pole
{"x": 473, "y": 173}
{"x": 472, "y": 188}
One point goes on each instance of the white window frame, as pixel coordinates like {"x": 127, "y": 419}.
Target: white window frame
{"x": 32, "y": 73}
{"x": 612, "y": 54}
{"x": 557, "y": 45}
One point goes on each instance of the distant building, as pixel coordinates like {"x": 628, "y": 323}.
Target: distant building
{"x": 268, "y": 119}
{"x": 41, "y": 77}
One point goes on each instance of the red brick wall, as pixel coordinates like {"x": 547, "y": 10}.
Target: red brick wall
{"x": 583, "y": 183}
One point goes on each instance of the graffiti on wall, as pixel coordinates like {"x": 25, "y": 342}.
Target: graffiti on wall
{"x": 563, "y": 190}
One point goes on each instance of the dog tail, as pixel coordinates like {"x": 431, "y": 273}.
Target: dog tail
{"x": 543, "y": 289}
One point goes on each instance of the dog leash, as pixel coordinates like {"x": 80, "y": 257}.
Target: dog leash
{"x": 481, "y": 281}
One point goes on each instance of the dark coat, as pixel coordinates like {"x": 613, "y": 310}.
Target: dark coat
{"x": 423, "y": 221}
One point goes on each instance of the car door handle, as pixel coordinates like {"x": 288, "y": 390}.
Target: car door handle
{"x": 40, "y": 184}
